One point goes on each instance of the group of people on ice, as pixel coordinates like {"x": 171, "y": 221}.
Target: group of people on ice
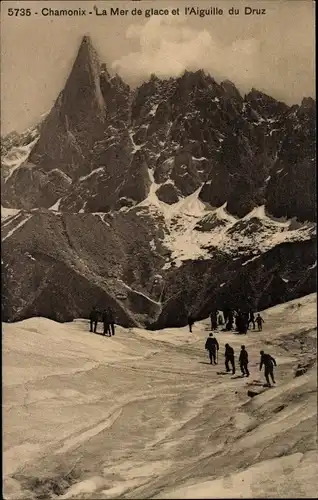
{"x": 228, "y": 317}
{"x": 242, "y": 321}
{"x": 106, "y": 317}
{"x": 212, "y": 346}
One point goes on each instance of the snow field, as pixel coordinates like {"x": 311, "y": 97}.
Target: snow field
{"x": 144, "y": 415}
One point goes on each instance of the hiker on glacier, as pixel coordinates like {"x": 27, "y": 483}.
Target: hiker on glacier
{"x": 241, "y": 322}
{"x": 245, "y": 322}
{"x": 220, "y": 318}
{"x": 251, "y": 319}
{"x": 230, "y": 322}
{"x": 106, "y": 324}
{"x": 93, "y": 317}
{"x": 243, "y": 360}
{"x": 212, "y": 346}
{"x": 259, "y": 321}
{"x": 228, "y": 319}
{"x": 111, "y": 320}
{"x": 269, "y": 362}
{"x": 214, "y": 319}
{"x": 229, "y": 358}
{"x": 190, "y": 322}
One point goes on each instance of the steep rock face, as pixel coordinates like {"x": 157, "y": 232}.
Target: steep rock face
{"x": 66, "y": 272}
{"x": 77, "y": 118}
{"x": 290, "y": 190}
{"x": 238, "y": 177}
{"x": 136, "y": 185}
{"x": 246, "y": 155}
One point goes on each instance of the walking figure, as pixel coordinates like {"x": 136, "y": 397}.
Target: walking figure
{"x": 243, "y": 360}
{"x": 241, "y": 322}
{"x": 245, "y": 322}
{"x": 269, "y": 362}
{"x": 229, "y": 324}
{"x": 212, "y": 346}
{"x": 111, "y": 320}
{"x": 251, "y": 319}
{"x": 214, "y": 319}
{"x": 93, "y": 319}
{"x": 259, "y": 321}
{"x": 229, "y": 358}
{"x": 105, "y": 319}
{"x": 190, "y": 323}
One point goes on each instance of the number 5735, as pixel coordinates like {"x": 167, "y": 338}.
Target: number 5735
{"x": 19, "y": 12}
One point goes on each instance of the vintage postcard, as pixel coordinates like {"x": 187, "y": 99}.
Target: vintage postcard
{"x": 158, "y": 189}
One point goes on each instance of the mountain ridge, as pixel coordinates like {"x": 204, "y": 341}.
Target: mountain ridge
{"x": 245, "y": 118}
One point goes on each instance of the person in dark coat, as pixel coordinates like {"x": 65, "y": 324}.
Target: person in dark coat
{"x": 259, "y": 321}
{"x": 105, "y": 319}
{"x": 111, "y": 321}
{"x": 269, "y": 362}
{"x": 243, "y": 360}
{"x": 190, "y": 322}
{"x": 212, "y": 346}
{"x": 229, "y": 324}
{"x": 243, "y": 322}
{"x": 251, "y": 319}
{"x": 229, "y": 358}
{"x": 93, "y": 317}
{"x": 214, "y": 319}
{"x": 240, "y": 323}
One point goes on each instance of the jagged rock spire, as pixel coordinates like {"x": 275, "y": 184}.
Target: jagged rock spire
{"x": 77, "y": 118}
{"x": 82, "y": 87}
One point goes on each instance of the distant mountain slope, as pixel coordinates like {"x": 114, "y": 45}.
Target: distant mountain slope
{"x": 151, "y": 269}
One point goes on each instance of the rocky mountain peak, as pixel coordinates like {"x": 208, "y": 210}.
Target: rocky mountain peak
{"x": 231, "y": 90}
{"x": 86, "y": 45}
{"x": 193, "y": 80}
{"x": 68, "y": 132}
{"x": 265, "y": 105}
{"x": 308, "y": 103}
{"x": 87, "y": 55}
{"x": 307, "y": 107}
{"x": 83, "y": 84}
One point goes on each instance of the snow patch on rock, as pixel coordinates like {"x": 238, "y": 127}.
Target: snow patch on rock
{"x": 16, "y": 157}
{"x": 94, "y": 172}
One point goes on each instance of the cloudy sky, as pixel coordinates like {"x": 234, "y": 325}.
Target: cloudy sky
{"x": 272, "y": 52}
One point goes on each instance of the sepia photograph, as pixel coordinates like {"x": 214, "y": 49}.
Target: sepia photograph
{"x": 158, "y": 189}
